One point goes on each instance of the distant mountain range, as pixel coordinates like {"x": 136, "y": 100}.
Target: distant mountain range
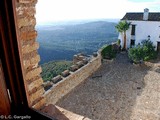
{"x": 61, "y": 42}
{"x": 75, "y": 22}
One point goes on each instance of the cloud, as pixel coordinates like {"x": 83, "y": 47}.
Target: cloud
{"x": 48, "y": 10}
{"x": 55, "y": 10}
{"x": 139, "y": 1}
{"x": 153, "y": 5}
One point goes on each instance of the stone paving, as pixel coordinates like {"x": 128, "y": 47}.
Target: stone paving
{"x": 119, "y": 90}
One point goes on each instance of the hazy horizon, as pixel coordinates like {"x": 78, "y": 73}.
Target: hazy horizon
{"x": 74, "y": 22}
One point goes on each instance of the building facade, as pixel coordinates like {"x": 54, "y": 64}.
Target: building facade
{"x": 142, "y": 26}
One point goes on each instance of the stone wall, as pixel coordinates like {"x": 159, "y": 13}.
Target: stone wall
{"x": 57, "y": 91}
{"x": 26, "y": 21}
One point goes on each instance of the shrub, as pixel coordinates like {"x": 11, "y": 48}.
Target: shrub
{"x": 136, "y": 54}
{"x": 145, "y": 52}
{"x": 149, "y": 50}
{"x": 108, "y": 52}
{"x": 118, "y": 42}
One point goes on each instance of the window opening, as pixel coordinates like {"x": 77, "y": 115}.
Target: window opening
{"x": 133, "y": 29}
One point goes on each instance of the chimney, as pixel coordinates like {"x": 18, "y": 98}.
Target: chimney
{"x": 146, "y": 14}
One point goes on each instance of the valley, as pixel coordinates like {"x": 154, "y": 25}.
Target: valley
{"x": 63, "y": 41}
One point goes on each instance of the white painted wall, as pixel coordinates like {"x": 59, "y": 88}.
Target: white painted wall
{"x": 143, "y": 29}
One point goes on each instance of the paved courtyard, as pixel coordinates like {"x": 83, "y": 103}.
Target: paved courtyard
{"x": 119, "y": 90}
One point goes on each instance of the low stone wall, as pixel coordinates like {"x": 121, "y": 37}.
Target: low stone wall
{"x": 57, "y": 91}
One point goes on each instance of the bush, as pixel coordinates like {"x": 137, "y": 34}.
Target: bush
{"x": 118, "y": 42}
{"x": 108, "y": 52}
{"x": 149, "y": 50}
{"x": 136, "y": 54}
{"x": 142, "y": 53}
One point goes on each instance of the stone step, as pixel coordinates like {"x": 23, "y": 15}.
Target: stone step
{"x": 52, "y": 111}
{"x": 72, "y": 116}
{"x": 61, "y": 113}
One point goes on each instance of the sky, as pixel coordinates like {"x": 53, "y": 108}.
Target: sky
{"x": 65, "y": 10}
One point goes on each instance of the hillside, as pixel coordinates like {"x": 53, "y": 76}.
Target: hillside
{"x": 62, "y": 42}
{"x": 54, "y": 68}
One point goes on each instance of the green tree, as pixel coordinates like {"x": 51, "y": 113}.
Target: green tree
{"x": 122, "y": 27}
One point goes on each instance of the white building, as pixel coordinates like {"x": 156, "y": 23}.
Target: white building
{"x": 143, "y": 26}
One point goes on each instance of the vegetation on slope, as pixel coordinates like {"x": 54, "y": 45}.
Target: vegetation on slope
{"x": 54, "y": 68}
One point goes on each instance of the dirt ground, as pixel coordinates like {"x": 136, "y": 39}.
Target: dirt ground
{"x": 119, "y": 90}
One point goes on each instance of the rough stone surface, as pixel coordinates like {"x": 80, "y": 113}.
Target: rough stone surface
{"x": 26, "y": 1}
{"x": 28, "y": 35}
{"x": 39, "y": 104}
{"x": 70, "y": 82}
{"x": 80, "y": 64}
{"x": 65, "y": 73}
{"x": 61, "y": 113}
{"x": 23, "y": 22}
{"x": 35, "y": 84}
{"x": 56, "y": 79}
{"x": 47, "y": 84}
{"x": 118, "y": 91}
{"x": 25, "y": 11}
{"x": 26, "y": 21}
{"x": 78, "y": 57}
{"x": 70, "y": 115}
{"x": 33, "y": 73}
{"x": 29, "y": 48}
{"x": 36, "y": 95}
{"x": 32, "y": 62}
{"x": 73, "y": 68}
{"x": 53, "y": 111}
